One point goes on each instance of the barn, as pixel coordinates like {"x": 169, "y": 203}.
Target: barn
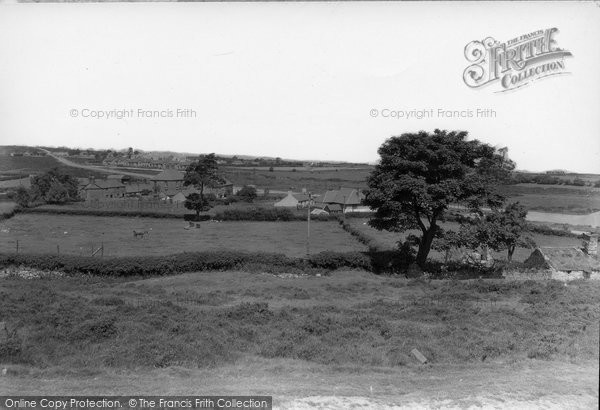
{"x": 564, "y": 263}
{"x": 295, "y": 201}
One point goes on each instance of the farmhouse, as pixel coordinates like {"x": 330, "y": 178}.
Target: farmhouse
{"x": 348, "y": 199}
{"x": 168, "y": 180}
{"x": 566, "y": 263}
{"x": 101, "y": 189}
{"x": 295, "y": 201}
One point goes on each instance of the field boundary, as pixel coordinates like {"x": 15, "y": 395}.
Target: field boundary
{"x": 189, "y": 262}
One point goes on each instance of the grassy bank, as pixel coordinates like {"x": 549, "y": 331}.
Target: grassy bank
{"x": 350, "y": 318}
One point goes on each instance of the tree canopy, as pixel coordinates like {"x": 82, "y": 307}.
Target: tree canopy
{"x": 499, "y": 230}
{"x": 54, "y": 187}
{"x": 420, "y": 175}
{"x": 202, "y": 173}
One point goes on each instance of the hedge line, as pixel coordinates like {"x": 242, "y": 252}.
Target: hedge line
{"x": 99, "y": 212}
{"x": 183, "y": 262}
{"x": 267, "y": 214}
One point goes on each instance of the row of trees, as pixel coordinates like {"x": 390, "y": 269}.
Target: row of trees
{"x": 52, "y": 187}
{"x": 420, "y": 176}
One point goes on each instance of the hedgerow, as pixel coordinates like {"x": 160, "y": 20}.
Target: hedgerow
{"x": 185, "y": 262}
{"x": 266, "y": 214}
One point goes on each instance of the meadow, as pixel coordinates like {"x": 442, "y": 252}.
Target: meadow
{"x": 77, "y": 235}
{"x": 347, "y": 334}
{"x": 555, "y": 198}
{"x": 21, "y": 167}
{"x": 315, "y": 180}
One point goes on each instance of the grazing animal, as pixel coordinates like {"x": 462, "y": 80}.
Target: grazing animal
{"x": 139, "y": 234}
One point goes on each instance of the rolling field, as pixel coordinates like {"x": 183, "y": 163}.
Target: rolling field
{"x": 389, "y": 240}
{"x": 78, "y": 234}
{"x": 316, "y": 180}
{"x": 337, "y": 341}
{"x": 21, "y": 167}
{"x": 555, "y": 198}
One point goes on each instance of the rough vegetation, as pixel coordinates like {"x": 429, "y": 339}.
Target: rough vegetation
{"x": 86, "y": 323}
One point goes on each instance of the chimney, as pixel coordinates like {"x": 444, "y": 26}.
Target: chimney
{"x": 590, "y": 243}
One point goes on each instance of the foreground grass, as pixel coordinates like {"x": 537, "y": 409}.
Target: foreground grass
{"x": 206, "y": 320}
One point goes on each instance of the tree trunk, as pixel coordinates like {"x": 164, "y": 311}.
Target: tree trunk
{"x": 425, "y": 246}
{"x": 511, "y": 250}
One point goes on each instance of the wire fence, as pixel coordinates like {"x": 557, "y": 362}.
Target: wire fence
{"x": 19, "y": 246}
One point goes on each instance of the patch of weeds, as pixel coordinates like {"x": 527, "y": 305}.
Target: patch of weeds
{"x": 108, "y": 301}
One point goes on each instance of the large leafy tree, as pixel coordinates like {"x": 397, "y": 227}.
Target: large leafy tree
{"x": 499, "y": 230}
{"x": 202, "y": 174}
{"x": 247, "y": 193}
{"x": 54, "y": 187}
{"x": 199, "y": 204}
{"x": 420, "y": 175}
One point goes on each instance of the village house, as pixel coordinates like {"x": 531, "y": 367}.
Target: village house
{"x": 168, "y": 181}
{"x": 103, "y": 188}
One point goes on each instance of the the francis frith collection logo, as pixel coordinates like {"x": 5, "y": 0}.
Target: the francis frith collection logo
{"x": 514, "y": 63}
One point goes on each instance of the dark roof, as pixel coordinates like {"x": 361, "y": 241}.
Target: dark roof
{"x": 333, "y": 207}
{"x": 169, "y": 175}
{"x": 301, "y": 197}
{"x": 562, "y": 259}
{"x": 133, "y": 188}
{"x": 104, "y": 184}
{"x": 343, "y": 196}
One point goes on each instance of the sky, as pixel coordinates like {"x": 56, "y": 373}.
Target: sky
{"x": 317, "y": 81}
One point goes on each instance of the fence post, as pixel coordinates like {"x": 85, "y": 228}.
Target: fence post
{"x": 58, "y": 249}
{"x": 17, "y": 246}
{"x": 102, "y": 250}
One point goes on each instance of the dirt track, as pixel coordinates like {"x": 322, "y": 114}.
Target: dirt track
{"x": 298, "y": 385}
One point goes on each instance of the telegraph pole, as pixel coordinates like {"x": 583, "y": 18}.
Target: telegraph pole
{"x": 308, "y": 227}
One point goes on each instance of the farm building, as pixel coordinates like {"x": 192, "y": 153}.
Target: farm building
{"x": 104, "y": 188}
{"x": 295, "y": 201}
{"x": 327, "y": 208}
{"x": 168, "y": 180}
{"x": 133, "y": 190}
{"x": 565, "y": 263}
{"x": 348, "y": 199}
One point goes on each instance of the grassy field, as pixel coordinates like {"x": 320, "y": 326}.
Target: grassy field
{"x": 19, "y": 167}
{"x": 316, "y": 180}
{"x": 77, "y": 235}
{"x": 389, "y": 240}
{"x": 349, "y": 334}
{"x": 553, "y": 198}
{"x": 134, "y": 205}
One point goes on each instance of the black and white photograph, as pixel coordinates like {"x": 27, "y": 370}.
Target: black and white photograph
{"x": 299, "y": 205}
